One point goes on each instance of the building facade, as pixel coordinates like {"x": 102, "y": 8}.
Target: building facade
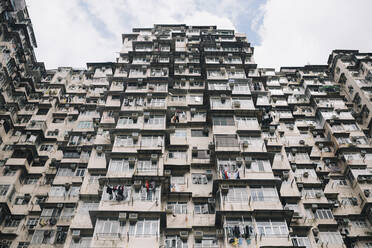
{"x": 182, "y": 142}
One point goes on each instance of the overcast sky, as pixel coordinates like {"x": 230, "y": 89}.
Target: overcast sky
{"x": 284, "y": 33}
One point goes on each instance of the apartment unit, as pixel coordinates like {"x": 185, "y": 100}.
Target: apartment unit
{"x": 182, "y": 142}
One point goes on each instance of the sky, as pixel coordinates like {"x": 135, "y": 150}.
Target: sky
{"x": 283, "y": 32}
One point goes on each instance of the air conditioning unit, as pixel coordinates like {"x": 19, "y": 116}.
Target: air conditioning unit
{"x": 224, "y": 189}
{"x": 122, "y": 216}
{"x": 146, "y": 115}
{"x": 245, "y": 144}
{"x": 209, "y": 174}
{"x": 354, "y": 201}
{"x": 47, "y": 233}
{"x": 154, "y": 157}
{"x": 367, "y": 192}
{"x": 236, "y": 104}
{"x": 137, "y": 184}
{"x": 306, "y": 174}
{"x": 169, "y": 209}
{"x": 198, "y": 235}
{"x": 302, "y": 142}
{"x": 211, "y": 146}
{"x": 285, "y": 175}
{"x": 315, "y": 231}
{"x": 135, "y": 135}
{"x": 211, "y": 201}
{"x": 60, "y": 205}
{"x": 99, "y": 149}
{"x": 219, "y": 233}
{"x": 131, "y": 161}
{"x": 184, "y": 235}
{"x": 75, "y": 235}
{"x": 194, "y": 150}
{"x": 134, "y": 116}
{"x": 193, "y": 110}
{"x": 344, "y": 231}
{"x": 318, "y": 194}
{"x": 167, "y": 173}
{"x": 133, "y": 217}
{"x": 296, "y": 215}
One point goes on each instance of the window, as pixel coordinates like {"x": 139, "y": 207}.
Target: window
{"x": 152, "y": 141}
{"x": 301, "y": 241}
{"x": 198, "y": 178}
{"x": 4, "y": 189}
{"x": 311, "y": 192}
{"x": 50, "y": 212}
{"x": 119, "y": 166}
{"x": 21, "y": 201}
{"x": 248, "y": 121}
{"x": 108, "y": 227}
{"x": 67, "y": 213}
{"x": 226, "y": 140}
{"x": 204, "y": 208}
{"x": 155, "y": 120}
{"x": 9, "y": 172}
{"x": 80, "y": 172}
{"x": 243, "y": 224}
{"x": 12, "y": 222}
{"x": 179, "y": 133}
{"x": 223, "y": 121}
{"x": 178, "y": 207}
{"x": 175, "y": 242}
{"x": 264, "y": 194}
{"x": 122, "y": 141}
{"x": 178, "y": 179}
{"x": 31, "y": 180}
{"x": 331, "y": 238}
{"x": 237, "y": 194}
{"x": 323, "y": 214}
{"x": 65, "y": 172}
{"x": 272, "y": 227}
{"x": 144, "y": 227}
{"x": 158, "y": 102}
{"x": 360, "y": 223}
{"x": 178, "y": 98}
{"x": 177, "y": 154}
{"x": 83, "y": 242}
{"x": 32, "y": 221}
{"x": 206, "y": 242}
{"x": 342, "y": 182}
{"x": 57, "y": 191}
{"x": 126, "y": 120}
{"x": 23, "y": 245}
{"x": 199, "y": 133}
{"x": 8, "y": 148}
{"x": 70, "y": 154}
{"x": 147, "y": 165}
{"x": 201, "y": 154}
{"x": 85, "y": 124}
{"x": 46, "y": 148}
{"x": 43, "y": 237}
{"x": 261, "y": 166}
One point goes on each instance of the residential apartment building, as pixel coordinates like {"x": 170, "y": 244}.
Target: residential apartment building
{"x": 182, "y": 142}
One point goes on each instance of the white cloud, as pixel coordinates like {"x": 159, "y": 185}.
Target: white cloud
{"x": 294, "y": 33}
{"x": 71, "y": 33}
